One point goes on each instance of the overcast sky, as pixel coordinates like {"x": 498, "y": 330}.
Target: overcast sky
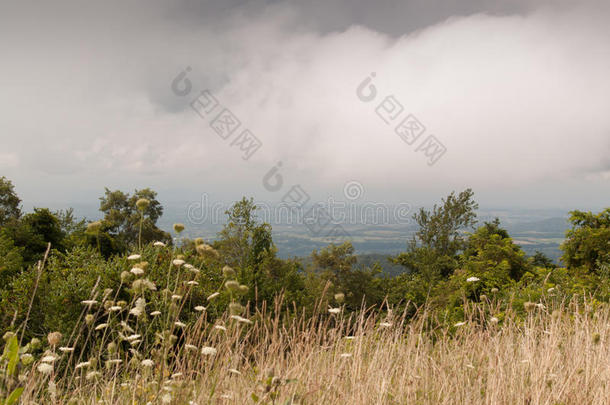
{"x": 517, "y": 92}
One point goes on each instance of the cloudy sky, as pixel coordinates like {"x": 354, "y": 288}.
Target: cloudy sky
{"x": 517, "y": 92}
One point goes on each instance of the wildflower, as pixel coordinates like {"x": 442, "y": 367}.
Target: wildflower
{"x": 142, "y": 204}
{"x": 385, "y": 324}
{"x": 89, "y": 318}
{"x": 334, "y": 310}
{"x": 529, "y": 306}
{"x": 350, "y": 337}
{"x": 27, "y": 359}
{"x": 134, "y": 257}
{"x": 159, "y": 244}
{"x": 66, "y": 349}
{"x": 177, "y": 262}
{"x": 340, "y": 297}
{"x": 173, "y": 377}
{"x": 82, "y": 364}
{"x": 540, "y": 306}
{"x": 8, "y": 336}
{"x": 89, "y": 302}
{"x": 137, "y": 271}
{"x": 243, "y": 289}
{"x": 101, "y": 326}
{"x": 139, "y": 308}
{"x": 550, "y": 290}
{"x": 206, "y": 250}
{"x": 459, "y": 324}
{"x": 346, "y": 355}
{"x": 35, "y": 343}
{"x": 234, "y": 371}
{"x": 473, "y": 279}
{"x": 114, "y": 308}
{"x": 48, "y": 359}
{"x": 178, "y": 228}
{"x": 232, "y": 285}
{"x": 133, "y": 337}
{"x": 45, "y": 368}
{"x": 192, "y": 282}
{"x": 180, "y": 324}
{"x": 126, "y": 327}
{"x": 54, "y": 338}
{"x": 92, "y": 374}
{"x": 199, "y": 308}
{"x": 176, "y": 297}
{"x": 241, "y": 319}
{"x": 155, "y": 313}
{"x": 112, "y": 362}
{"x": 147, "y": 363}
{"x": 190, "y": 347}
{"x": 235, "y": 308}
{"x": 212, "y": 296}
{"x": 494, "y": 320}
{"x": 220, "y": 327}
{"x": 228, "y": 272}
{"x": 494, "y": 290}
{"x": 208, "y": 351}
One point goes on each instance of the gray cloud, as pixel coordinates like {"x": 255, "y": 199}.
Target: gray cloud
{"x": 516, "y": 90}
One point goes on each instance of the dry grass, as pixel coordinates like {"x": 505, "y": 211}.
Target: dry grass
{"x": 553, "y": 357}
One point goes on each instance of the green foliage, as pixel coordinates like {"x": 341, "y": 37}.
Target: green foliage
{"x": 122, "y": 218}
{"x": 9, "y": 202}
{"x": 587, "y": 244}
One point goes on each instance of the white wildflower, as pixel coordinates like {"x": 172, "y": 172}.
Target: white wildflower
{"x": 134, "y": 257}
{"x": 45, "y": 368}
{"x": 190, "y": 347}
{"x": 192, "y": 282}
{"x": 82, "y": 364}
{"x": 159, "y": 244}
{"x": 212, "y": 296}
{"x": 89, "y": 302}
{"x": 114, "y": 308}
{"x": 473, "y": 279}
{"x": 234, "y": 371}
{"x": 180, "y": 324}
{"x": 241, "y": 319}
{"x": 66, "y": 349}
{"x": 208, "y": 351}
{"x": 48, "y": 359}
{"x": 460, "y": 324}
{"x": 199, "y": 308}
{"x": 385, "y": 324}
{"x": 137, "y": 271}
{"x": 155, "y": 313}
{"x": 220, "y": 327}
{"x": 334, "y": 310}
{"x": 147, "y": 363}
{"x": 92, "y": 374}
{"x": 177, "y": 262}
{"x": 346, "y": 355}
{"x": 176, "y": 297}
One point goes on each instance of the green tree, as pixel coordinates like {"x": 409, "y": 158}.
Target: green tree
{"x": 9, "y": 202}
{"x": 440, "y": 236}
{"x": 122, "y": 219}
{"x": 587, "y": 244}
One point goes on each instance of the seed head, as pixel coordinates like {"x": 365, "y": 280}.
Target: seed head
{"x": 54, "y": 338}
{"x": 142, "y": 204}
{"x": 178, "y": 228}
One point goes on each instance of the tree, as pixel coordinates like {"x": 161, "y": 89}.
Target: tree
{"x": 9, "y": 202}
{"x": 246, "y": 242}
{"x": 587, "y": 244}
{"x": 122, "y": 219}
{"x": 335, "y": 264}
{"x": 440, "y": 237}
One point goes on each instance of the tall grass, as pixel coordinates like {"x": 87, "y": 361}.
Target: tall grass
{"x": 557, "y": 358}
{"x": 149, "y": 351}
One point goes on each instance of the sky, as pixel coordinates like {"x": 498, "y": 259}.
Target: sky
{"x": 512, "y": 97}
